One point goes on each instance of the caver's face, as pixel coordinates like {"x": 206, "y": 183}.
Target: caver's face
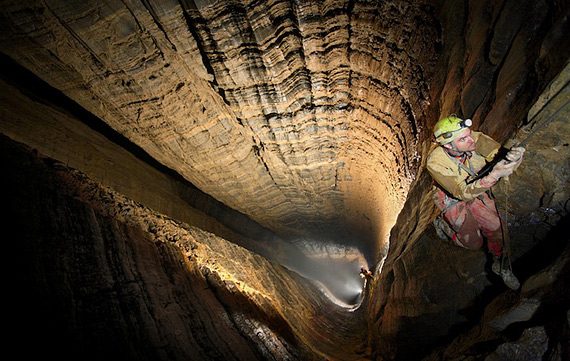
{"x": 464, "y": 142}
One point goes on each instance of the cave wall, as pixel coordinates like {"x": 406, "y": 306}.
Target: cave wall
{"x": 100, "y": 276}
{"x": 38, "y": 115}
{"x": 49, "y": 127}
{"x": 498, "y": 58}
{"x": 312, "y": 118}
{"x": 319, "y": 102}
{"x": 431, "y": 291}
{"x": 327, "y": 105}
{"x": 436, "y": 299}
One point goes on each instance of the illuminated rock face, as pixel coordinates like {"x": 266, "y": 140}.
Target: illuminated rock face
{"x": 312, "y": 119}
{"x": 304, "y": 116}
{"x": 102, "y": 277}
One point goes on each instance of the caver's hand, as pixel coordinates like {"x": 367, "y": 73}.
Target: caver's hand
{"x": 515, "y": 154}
{"x": 506, "y": 167}
{"x": 503, "y": 169}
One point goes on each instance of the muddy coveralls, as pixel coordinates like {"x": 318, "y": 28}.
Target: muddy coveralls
{"x": 467, "y": 208}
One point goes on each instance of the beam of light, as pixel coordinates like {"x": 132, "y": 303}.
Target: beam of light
{"x": 354, "y": 297}
{"x": 334, "y": 268}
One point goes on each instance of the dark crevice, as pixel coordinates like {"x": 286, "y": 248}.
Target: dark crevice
{"x": 157, "y": 22}
{"x": 202, "y": 49}
{"x": 541, "y": 256}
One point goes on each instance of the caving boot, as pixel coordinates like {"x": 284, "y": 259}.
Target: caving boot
{"x": 505, "y": 272}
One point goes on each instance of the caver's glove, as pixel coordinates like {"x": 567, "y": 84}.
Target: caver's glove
{"x": 515, "y": 154}
{"x": 505, "y": 168}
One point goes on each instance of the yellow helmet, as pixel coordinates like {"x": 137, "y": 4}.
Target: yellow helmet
{"x": 447, "y": 129}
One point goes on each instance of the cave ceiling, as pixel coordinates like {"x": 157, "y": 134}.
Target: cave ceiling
{"x": 309, "y": 117}
{"x": 305, "y": 116}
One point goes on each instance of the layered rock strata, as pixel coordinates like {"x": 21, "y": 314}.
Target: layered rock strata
{"x": 312, "y": 118}
{"x": 102, "y": 276}
{"x": 311, "y": 109}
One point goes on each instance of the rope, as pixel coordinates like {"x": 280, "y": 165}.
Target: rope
{"x": 506, "y": 256}
{"x": 502, "y": 153}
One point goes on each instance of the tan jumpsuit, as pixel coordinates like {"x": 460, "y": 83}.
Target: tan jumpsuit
{"x": 467, "y": 208}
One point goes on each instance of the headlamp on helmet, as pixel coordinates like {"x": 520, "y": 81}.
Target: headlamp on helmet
{"x": 447, "y": 129}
